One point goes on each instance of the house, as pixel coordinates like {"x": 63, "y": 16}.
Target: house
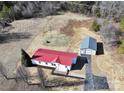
{"x": 60, "y": 61}
{"x": 88, "y": 46}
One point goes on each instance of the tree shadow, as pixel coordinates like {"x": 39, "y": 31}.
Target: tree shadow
{"x": 3, "y": 71}
{"x": 81, "y": 61}
{"x": 100, "y": 48}
{"x": 21, "y": 74}
{"x": 5, "y": 23}
{"x": 12, "y": 37}
{"x": 100, "y": 83}
{"x": 56, "y": 82}
{"x": 62, "y": 83}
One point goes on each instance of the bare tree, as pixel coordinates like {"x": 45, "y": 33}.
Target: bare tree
{"x": 111, "y": 34}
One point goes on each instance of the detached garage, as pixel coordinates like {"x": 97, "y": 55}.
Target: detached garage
{"x": 88, "y": 46}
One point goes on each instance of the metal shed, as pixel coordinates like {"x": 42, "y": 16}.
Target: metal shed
{"x": 88, "y": 46}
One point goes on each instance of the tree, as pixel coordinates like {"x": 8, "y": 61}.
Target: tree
{"x": 95, "y": 26}
{"x": 122, "y": 23}
{"x": 6, "y": 12}
{"x": 111, "y": 34}
{"x": 121, "y": 47}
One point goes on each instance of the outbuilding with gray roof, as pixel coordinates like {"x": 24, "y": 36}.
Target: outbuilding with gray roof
{"x": 88, "y": 46}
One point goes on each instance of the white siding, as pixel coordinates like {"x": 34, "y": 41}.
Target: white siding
{"x": 69, "y": 67}
{"x": 35, "y": 62}
{"x": 93, "y": 52}
{"x": 88, "y": 51}
{"x": 61, "y": 68}
{"x": 83, "y": 51}
{"x": 46, "y": 64}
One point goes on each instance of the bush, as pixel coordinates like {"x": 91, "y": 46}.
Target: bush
{"x": 71, "y": 6}
{"x": 98, "y": 13}
{"x": 6, "y": 12}
{"x": 122, "y": 23}
{"x": 111, "y": 34}
{"x": 95, "y": 26}
{"x": 121, "y": 47}
{"x": 77, "y": 7}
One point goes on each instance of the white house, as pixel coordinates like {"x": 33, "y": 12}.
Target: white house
{"x": 60, "y": 61}
{"x": 88, "y": 46}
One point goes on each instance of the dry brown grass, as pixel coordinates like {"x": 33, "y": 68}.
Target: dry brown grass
{"x": 69, "y": 28}
{"x": 55, "y": 38}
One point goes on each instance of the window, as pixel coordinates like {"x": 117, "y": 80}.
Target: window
{"x": 46, "y": 63}
{"x": 39, "y": 62}
{"x": 53, "y": 64}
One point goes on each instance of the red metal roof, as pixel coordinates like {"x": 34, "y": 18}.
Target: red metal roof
{"x": 47, "y": 55}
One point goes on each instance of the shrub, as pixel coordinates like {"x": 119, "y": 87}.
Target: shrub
{"x": 6, "y": 12}
{"x": 98, "y": 13}
{"x": 95, "y": 26}
{"x": 121, "y": 47}
{"x": 74, "y": 6}
{"x": 122, "y": 23}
